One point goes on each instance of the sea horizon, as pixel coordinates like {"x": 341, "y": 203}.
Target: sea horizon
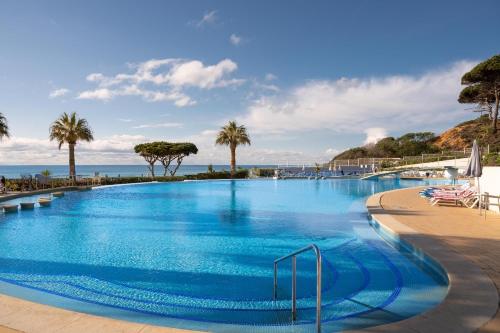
{"x": 15, "y": 171}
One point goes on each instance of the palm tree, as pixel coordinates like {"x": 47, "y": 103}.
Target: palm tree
{"x": 69, "y": 129}
{"x": 4, "y": 128}
{"x": 233, "y": 135}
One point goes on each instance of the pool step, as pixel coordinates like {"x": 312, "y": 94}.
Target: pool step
{"x": 272, "y": 313}
{"x": 342, "y": 299}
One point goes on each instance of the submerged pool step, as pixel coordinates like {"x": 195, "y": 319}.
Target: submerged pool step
{"x": 350, "y": 292}
{"x": 274, "y": 313}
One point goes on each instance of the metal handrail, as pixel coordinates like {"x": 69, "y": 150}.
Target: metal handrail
{"x": 293, "y": 255}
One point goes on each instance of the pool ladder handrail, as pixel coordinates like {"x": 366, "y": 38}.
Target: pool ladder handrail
{"x": 293, "y": 255}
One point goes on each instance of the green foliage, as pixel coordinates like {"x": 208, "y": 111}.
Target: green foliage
{"x": 46, "y": 173}
{"x": 487, "y": 71}
{"x": 16, "y": 184}
{"x": 210, "y": 168}
{"x": 483, "y": 88}
{"x": 12, "y": 186}
{"x": 233, "y": 135}
{"x": 68, "y": 128}
{"x": 4, "y": 127}
{"x": 492, "y": 159}
{"x": 476, "y": 94}
{"x": 353, "y": 153}
{"x": 166, "y": 153}
{"x": 412, "y": 144}
{"x": 263, "y": 172}
{"x": 407, "y": 145}
{"x": 239, "y": 174}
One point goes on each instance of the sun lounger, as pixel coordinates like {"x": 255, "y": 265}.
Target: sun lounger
{"x": 467, "y": 198}
{"x": 433, "y": 191}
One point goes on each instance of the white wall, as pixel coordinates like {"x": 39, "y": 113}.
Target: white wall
{"x": 490, "y": 182}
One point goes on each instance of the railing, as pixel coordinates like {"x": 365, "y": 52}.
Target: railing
{"x": 364, "y": 161}
{"x": 293, "y": 255}
{"x": 485, "y": 200}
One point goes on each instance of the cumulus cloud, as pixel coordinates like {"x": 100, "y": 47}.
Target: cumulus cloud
{"x": 235, "y": 39}
{"x": 374, "y": 135}
{"x": 102, "y": 94}
{"x": 158, "y": 80}
{"x": 58, "y": 92}
{"x": 258, "y": 153}
{"x": 116, "y": 149}
{"x": 353, "y": 104}
{"x": 119, "y": 149}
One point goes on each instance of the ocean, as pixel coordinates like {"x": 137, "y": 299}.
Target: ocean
{"x": 15, "y": 171}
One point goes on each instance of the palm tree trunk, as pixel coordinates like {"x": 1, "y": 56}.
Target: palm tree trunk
{"x": 72, "y": 171}
{"x": 233, "y": 160}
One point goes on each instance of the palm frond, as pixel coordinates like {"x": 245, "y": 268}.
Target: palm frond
{"x": 70, "y": 129}
{"x": 4, "y": 127}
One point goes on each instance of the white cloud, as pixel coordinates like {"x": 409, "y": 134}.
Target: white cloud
{"x": 266, "y": 86}
{"x": 352, "y": 105}
{"x": 208, "y": 18}
{"x": 331, "y": 152}
{"x": 116, "y": 149}
{"x": 58, "y": 93}
{"x": 195, "y": 74}
{"x": 102, "y": 94}
{"x": 125, "y": 120}
{"x": 119, "y": 149}
{"x": 158, "y": 80}
{"x": 374, "y": 135}
{"x": 160, "y": 125}
{"x": 257, "y": 153}
{"x": 235, "y": 39}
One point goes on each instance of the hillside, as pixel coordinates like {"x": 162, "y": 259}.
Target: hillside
{"x": 462, "y": 135}
{"x": 412, "y": 144}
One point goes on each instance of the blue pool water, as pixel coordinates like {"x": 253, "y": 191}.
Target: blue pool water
{"x": 199, "y": 255}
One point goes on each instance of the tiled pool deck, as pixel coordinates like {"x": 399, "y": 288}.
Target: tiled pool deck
{"x": 467, "y": 245}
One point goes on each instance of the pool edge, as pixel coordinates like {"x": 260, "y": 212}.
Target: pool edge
{"x": 479, "y": 302}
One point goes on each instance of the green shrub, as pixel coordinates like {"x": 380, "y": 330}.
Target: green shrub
{"x": 263, "y": 172}
{"x": 492, "y": 159}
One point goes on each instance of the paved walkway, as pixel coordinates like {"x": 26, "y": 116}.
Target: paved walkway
{"x": 460, "y": 229}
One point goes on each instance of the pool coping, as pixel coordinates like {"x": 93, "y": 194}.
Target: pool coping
{"x": 479, "y": 302}
{"x": 18, "y": 195}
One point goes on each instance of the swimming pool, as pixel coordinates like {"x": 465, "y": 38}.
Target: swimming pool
{"x": 199, "y": 255}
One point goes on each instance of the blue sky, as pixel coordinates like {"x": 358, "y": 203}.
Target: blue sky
{"x": 308, "y": 79}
